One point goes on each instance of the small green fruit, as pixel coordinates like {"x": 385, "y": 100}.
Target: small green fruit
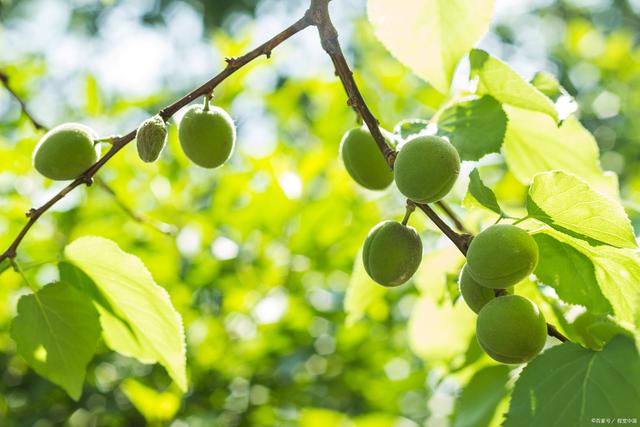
{"x": 208, "y": 136}
{"x": 501, "y": 256}
{"x": 426, "y": 168}
{"x": 151, "y": 139}
{"x": 392, "y": 253}
{"x": 364, "y": 161}
{"x": 475, "y": 295}
{"x": 511, "y": 329}
{"x": 66, "y": 151}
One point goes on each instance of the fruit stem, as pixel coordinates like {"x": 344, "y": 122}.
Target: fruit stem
{"x": 207, "y": 99}
{"x": 107, "y": 139}
{"x": 521, "y": 220}
{"x": 407, "y": 214}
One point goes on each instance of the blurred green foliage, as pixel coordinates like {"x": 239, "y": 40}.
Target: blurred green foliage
{"x": 265, "y": 247}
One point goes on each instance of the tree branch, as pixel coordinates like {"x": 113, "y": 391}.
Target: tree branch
{"x": 233, "y": 64}
{"x": 4, "y": 79}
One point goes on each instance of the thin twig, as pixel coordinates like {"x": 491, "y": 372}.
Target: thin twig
{"x": 457, "y": 222}
{"x": 162, "y": 227}
{"x": 87, "y": 177}
{"x": 4, "y": 79}
{"x": 554, "y": 332}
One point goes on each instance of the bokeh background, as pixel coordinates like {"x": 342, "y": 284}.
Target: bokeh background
{"x": 258, "y": 255}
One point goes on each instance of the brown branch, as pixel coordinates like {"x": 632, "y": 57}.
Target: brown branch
{"x": 4, "y": 79}
{"x": 233, "y": 64}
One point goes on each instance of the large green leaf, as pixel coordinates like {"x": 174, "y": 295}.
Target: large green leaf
{"x": 617, "y": 272}
{"x": 571, "y": 273}
{"x": 500, "y": 81}
{"x": 567, "y": 203}
{"x": 569, "y": 385}
{"x": 56, "y": 331}
{"x": 534, "y": 143}
{"x": 476, "y": 406}
{"x": 430, "y": 36}
{"x": 154, "y": 328}
{"x": 483, "y": 194}
{"x": 475, "y": 127}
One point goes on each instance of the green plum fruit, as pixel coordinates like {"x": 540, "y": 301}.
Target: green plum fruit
{"x": 207, "y": 136}
{"x": 475, "y": 295}
{"x": 364, "y": 161}
{"x": 392, "y": 253}
{"x": 501, "y": 256}
{"x": 66, "y": 151}
{"x": 151, "y": 139}
{"x": 426, "y": 168}
{"x": 511, "y": 329}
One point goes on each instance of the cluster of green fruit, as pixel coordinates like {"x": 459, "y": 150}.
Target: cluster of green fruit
{"x": 425, "y": 170}
{"x": 510, "y": 328}
{"x": 206, "y": 133}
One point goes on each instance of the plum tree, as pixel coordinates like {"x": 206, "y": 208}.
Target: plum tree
{"x": 511, "y": 329}
{"x": 151, "y": 138}
{"x": 475, "y": 295}
{"x": 392, "y": 253}
{"x": 501, "y": 256}
{"x": 207, "y": 135}
{"x": 66, "y": 151}
{"x": 426, "y": 168}
{"x": 363, "y": 160}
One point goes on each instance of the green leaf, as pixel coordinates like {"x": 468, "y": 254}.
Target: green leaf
{"x": 533, "y": 144}
{"x": 594, "y": 330}
{"x": 56, "y": 331}
{"x": 568, "y": 204}
{"x": 548, "y": 84}
{"x": 154, "y": 327}
{"x": 410, "y": 127}
{"x": 569, "y": 385}
{"x": 155, "y": 406}
{"x": 483, "y": 194}
{"x": 361, "y": 293}
{"x": 617, "y": 271}
{"x": 430, "y": 36}
{"x": 116, "y": 329}
{"x": 497, "y": 79}
{"x": 571, "y": 273}
{"x": 480, "y": 397}
{"x": 475, "y": 127}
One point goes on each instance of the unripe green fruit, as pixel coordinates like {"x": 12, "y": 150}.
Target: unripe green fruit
{"x": 511, "y": 329}
{"x": 66, "y": 151}
{"x": 475, "y": 295}
{"x": 501, "y": 256}
{"x": 207, "y": 137}
{"x": 426, "y": 168}
{"x": 392, "y": 253}
{"x": 151, "y": 138}
{"x": 364, "y": 161}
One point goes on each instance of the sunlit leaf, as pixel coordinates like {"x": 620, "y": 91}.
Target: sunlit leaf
{"x": 534, "y": 143}
{"x": 568, "y": 204}
{"x": 127, "y": 285}
{"x": 497, "y": 79}
{"x": 430, "y": 36}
